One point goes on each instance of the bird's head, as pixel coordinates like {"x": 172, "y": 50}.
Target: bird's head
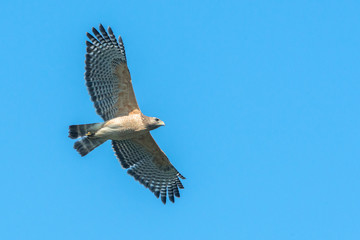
{"x": 154, "y": 123}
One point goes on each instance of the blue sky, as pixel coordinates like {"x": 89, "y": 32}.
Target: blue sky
{"x": 261, "y": 105}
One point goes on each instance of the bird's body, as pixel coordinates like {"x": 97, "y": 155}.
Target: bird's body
{"x": 124, "y": 127}
{"x": 109, "y": 84}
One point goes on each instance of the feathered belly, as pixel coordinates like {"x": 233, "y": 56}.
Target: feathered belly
{"x": 116, "y": 132}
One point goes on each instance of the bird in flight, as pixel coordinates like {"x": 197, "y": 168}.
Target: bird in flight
{"x": 109, "y": 84}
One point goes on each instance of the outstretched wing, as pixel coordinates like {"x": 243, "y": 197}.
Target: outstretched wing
{"x": 107, "y": 75}
{"x": 149, "y": 165}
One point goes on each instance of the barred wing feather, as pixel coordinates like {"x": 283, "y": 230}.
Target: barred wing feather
{"x": 107, "y": 75}
{"x": 148, "y": 164}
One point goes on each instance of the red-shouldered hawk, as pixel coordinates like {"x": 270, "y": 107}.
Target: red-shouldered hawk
{"x": 109, "y": 84}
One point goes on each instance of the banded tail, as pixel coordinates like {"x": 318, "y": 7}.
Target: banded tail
{"x": 76, "y": 131}
{"x": 87, "y": 143}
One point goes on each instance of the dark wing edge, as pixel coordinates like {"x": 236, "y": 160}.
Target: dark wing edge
{"x": 162, "y": 181}
{"x": 104, "y": 53}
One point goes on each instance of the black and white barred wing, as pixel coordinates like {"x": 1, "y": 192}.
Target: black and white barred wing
{"x": 149, "y": 165}
{"x": 107, "y": 75}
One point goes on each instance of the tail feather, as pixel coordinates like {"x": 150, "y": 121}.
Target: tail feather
{"x": 86, "y": 145}
{"x": 76, "y": 131}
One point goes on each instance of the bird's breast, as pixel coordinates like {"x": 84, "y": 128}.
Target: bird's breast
{"x": 122, "y": 128}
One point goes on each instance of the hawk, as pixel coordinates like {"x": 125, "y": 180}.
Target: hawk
{"x": 109, "y": 84}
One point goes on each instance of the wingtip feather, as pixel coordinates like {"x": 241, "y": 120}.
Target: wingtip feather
{"x": 157, "y": 194}
{"x": 101, "y": 27}
{"x": 110, "y": 30}
{"x": 163, "y": 199}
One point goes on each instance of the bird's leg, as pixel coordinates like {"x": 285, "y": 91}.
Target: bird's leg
{"x": 89, "y": 134}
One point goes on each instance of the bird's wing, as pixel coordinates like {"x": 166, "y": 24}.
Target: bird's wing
{"x": 149, "y": 165}
{"x": 107, "y": 75}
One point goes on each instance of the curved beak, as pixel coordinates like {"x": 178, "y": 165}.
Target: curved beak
{"x": 161, "y": 123}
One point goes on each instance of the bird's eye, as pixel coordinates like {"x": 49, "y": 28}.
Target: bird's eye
{"x": 156, "y": 119}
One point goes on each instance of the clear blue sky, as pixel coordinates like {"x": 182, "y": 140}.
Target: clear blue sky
{"x": 261, "y": 105}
